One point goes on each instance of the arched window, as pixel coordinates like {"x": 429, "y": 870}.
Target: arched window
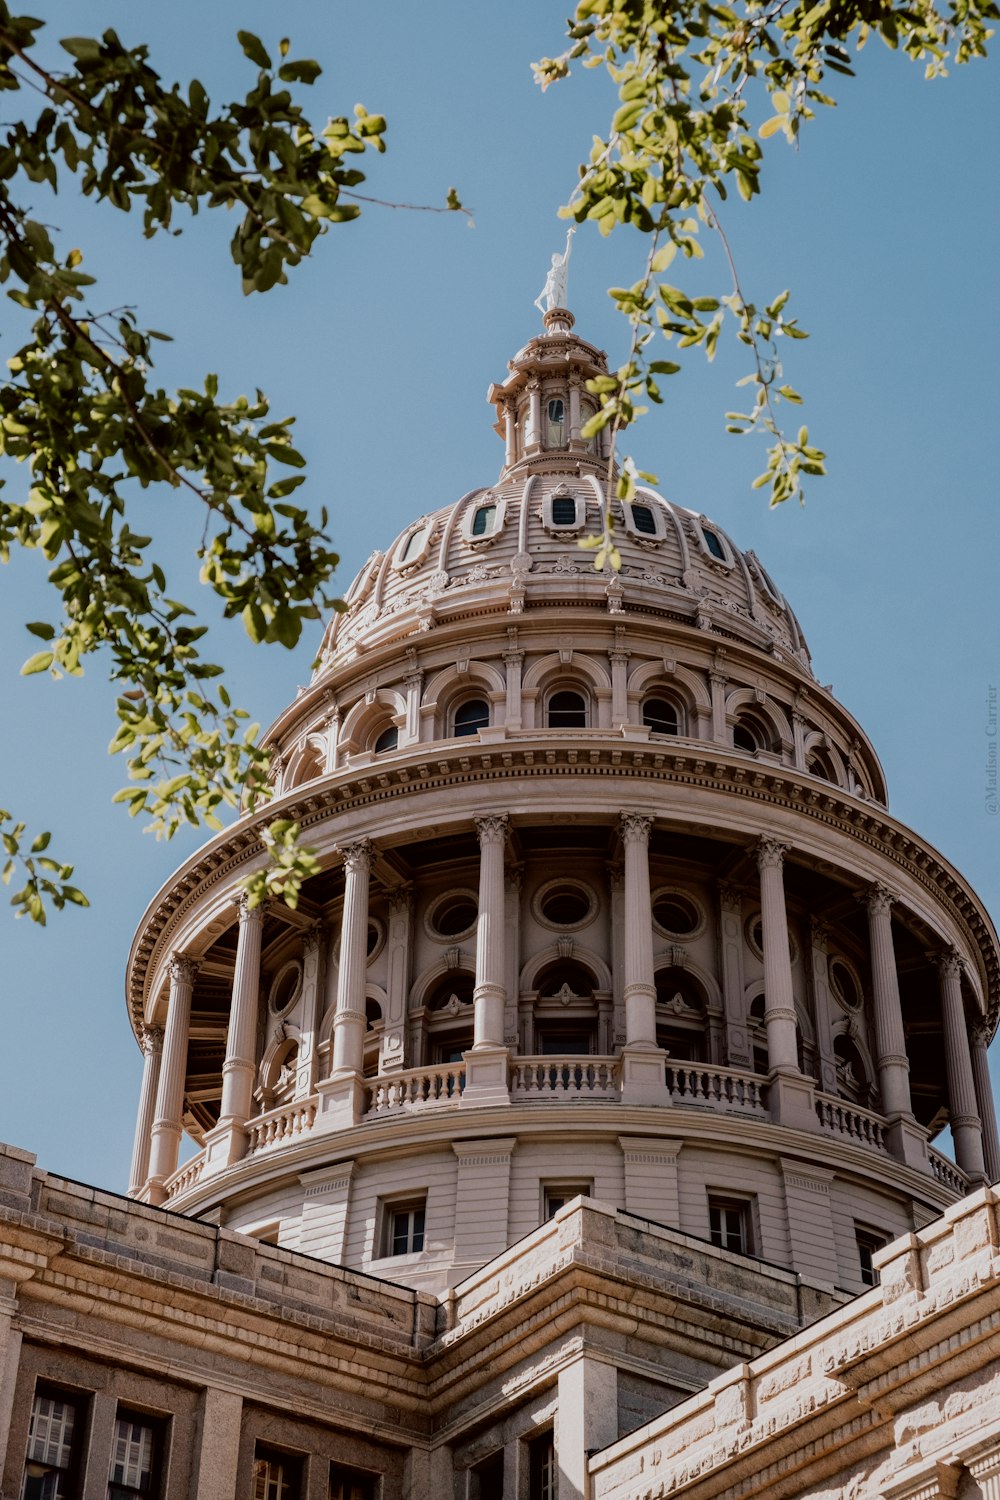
{"x": 680, "y": 1016}
{"x": 714, "y": 543}
{"x": 852, "y": 1075}
{"x": 660, "y": 716}
{"x": 818, "y": 763}
{"x": 387, "y": 740}
{"x": 567, "y": 710}
{"x": 472, "y": 716}
{"x": 555, "y": 425}
{"x": 414, "y": 547}
{"x": 757, "y": 1028}
{"x": 484, "y": 520}
{"x": 751, "y": 733}
{"x": 566, "y": 1012}
{"x": 744, "y": 739}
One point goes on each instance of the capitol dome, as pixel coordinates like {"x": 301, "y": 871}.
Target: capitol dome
{"x": 610, "y": 904}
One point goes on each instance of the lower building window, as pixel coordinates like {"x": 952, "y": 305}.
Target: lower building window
{"x": 487, "y": 1478}
{"x": 729, "y": 1225}
{"x": 404, "y": 1228}
{"x": 51, "y": 1463}
{"x": 276, "y": 1476}
{"x": 542, "y": 1468}
{"x": 133, "y": 1458}
{"x": 868, "y": 1243}
{"x": 555, "y": 1195}
{"x": 351, "y": 1484}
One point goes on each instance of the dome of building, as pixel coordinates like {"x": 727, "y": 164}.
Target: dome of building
{"x": 610, "y": 904}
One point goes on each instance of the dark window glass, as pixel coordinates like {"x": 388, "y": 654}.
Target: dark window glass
{"x": 387, "y": 740}
{"x": 566, "y": 905}
{"x": 50, "y": 1466}
{"x": 557, "y": 424}
{"x": 660, "y": 716}
{"x": 276, "y": 1476}
{"x": 351, "y": 1484}
{"x": 484, "y": 519}
{"x": 728, "y": 1225}
{"x": 471, "y": 717}
{"x": 542, "y": 1468}
{"x": 643, "y": 520}
{"x": 743, "y": 739}
{"x": 713, "y": 543}
{"x": 564, "y": 511}
{"x": 406, "y": 1230}
{"x": 867, "y": 1245}
{"x": 567, "y": 711}
{"x": 134, "y": 1460}
{"x": 558, "y": 1197}
{"x": 456, "y": 915}
{"x": 414, "y": 544}
{"x": 675, "y": 914}
{"x": 488, "y": 1477}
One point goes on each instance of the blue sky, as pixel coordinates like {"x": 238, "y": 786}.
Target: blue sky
{"x": 885, "y": 224}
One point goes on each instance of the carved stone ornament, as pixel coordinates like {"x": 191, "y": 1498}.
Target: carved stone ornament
{"x": 152, "y": 1040}
{"x": 358, "y": 856}
{"x": 634, "y": 827}
{"x": 248, "y": 913}
{"x": 770, "y": 854}
{"x": 879, "y": 899}
{"x": 492, "y": 829}
{"x": 949, "y": 961}
{"x": 182, "y": 969}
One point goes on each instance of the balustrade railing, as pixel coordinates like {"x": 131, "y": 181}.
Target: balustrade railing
{"x": 723, "y": 1089}
{"x": 416, "y": 1088}
{"x": 838, "y": 1117}
{"x": 185, "y": 1177}
{"x": 947, "y": 1173}
{"x": 566, "y": 1077}
{"x": 281, "y": 1125}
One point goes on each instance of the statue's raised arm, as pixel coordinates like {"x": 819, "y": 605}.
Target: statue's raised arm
{"x": 556, "y": 288}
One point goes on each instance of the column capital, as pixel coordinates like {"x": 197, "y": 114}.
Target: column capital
{"x": 151, "y": 1040}
{"x": 819, "y": 933}
{"x": 492, "y": 829}
{"x": 730, "y": 898}
{"x": 248, "y": 913}
{"x": 634, "y": 827}
{"x": 980, "y": 1033}
{"x": 401, "y": 901}
{"x": 879, "y": 899}
{"x": 949, "y": 962}
{"x": 182, "y": 969}
{"x": 357, "y": 856}
{"x": 770, "y": 854}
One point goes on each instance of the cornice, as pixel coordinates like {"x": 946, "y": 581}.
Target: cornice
{"x": 453, "y": 764}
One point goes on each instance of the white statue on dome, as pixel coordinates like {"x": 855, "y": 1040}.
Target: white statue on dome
{"x": 555, "y": 290}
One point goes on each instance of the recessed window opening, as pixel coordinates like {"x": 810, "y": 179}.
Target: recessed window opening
{"x": 484, "y": 521}
{"x": 644, "y": 520}
{"x": 472, "y": 716}
{"x": 455, "y": 915}
{"x": 713, "y": 543}
{"x": 276, "y": 1476}
{"x": 567, "y": 710}
{"x": 374, "y": 938}
{"x": 563, "y": 510}
{"x": 351, "y": 1484}
{"x": 406, "y": 1229}
{"x": 819, "y": 764}
{"x": 387, "y": 740}
{"x": 868, "y": 1244}
{"x": 542, "y": 1472}
{"x": 413, "y": 545}
{"x": 556, "y": 414}
{"x": 675, "y": 913}
{"x": 566, "y": 905}
{"x": 556, "y": 1195}
{"x": 133, "y": 1459}
{"x": 844, "y": 984}
{"x": 373, "y": 1015}
{"x": 458, "y": 987}
{"x": 50, "y": 1466}
{"x": 660, "y": 716}
{"x": 729, "y": 1225}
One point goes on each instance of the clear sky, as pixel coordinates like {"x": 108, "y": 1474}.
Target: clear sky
{"x": 885, "y": 224}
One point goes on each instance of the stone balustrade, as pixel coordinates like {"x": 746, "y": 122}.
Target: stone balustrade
{"x": 185, "y": 1177}
{"x": 725, "y": 1089}
{"x": 838, "y": 1117}
{"x": 417, "y": 1088}
{"x": 947, "y": 1173}
{"x": 565, "y": 1077}
{"x": 281, "y": 1125}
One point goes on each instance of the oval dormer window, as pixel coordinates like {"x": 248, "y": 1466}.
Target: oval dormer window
{"x": 714, "y": 543}
{"x": 414, "y": 548}
{"x": 563, "y": 510}
{"x": 556, "y": 424}
{"x": 643, "y": 520}
{"x": 484, "y": 521}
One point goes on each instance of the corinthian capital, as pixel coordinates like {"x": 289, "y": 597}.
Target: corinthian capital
{"x": 770, "y": 854}
{"x": 879, "y": 899}
{"x": 492, "y": 829}
{"x": 248, "y": 913}
{"x": 151, "y": 1039}
{"x": 182, "y": 969}
{"x": 949, "y": 962}
{"x": 358, "y": 856}
{"x": 634, "y": 827}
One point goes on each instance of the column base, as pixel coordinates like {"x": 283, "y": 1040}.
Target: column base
{"x": 224, "y": 1145}
{"x": 485, "y": 1076}
{"x": 154, "y": 1193}
{"x": 791, "y": 1099}
{"x": 907, "y": 1142}
{"x": 341, "y": 1102}
{"x": 644, "y": 1079}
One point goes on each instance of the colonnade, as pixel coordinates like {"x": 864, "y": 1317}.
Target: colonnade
{"x": 160, "y": 1118}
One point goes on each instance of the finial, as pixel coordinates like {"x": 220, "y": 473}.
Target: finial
{"x": 555, "y": 291}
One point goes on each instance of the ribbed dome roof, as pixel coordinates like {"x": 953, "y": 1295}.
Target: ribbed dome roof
{"x": 517, "y": 542}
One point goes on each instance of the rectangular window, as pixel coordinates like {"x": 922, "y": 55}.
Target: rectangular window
{"x": 555, "y": 1195}
{"x": 51, "y": 1463}
{"x": 276, "y": 1475}
{"x": 352, "y": 1484}
{"x": 404, "y": 1227}
{"x": 487, "y": 1478}
{"x": 134, "y": 1458}
{"x": 868, "y": 1243}
{"x": 542, "y": 1468}
{"x": 729, "y": 1224}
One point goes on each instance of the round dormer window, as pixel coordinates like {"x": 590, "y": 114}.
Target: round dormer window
{"x": 566, "y": 904}
{"x": 286, "y": 986}
{"x": 454, "y": 914}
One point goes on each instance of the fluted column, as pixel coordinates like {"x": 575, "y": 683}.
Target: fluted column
{"x": 490, "y": 989}
{"x": 779, "y": 1002}
{"x": 240, "y": 1066}
{"x": 980, "y": 1036}
{"x": 510, "y": 432}
{"x": 168, "y": 1125}
{"x": 640, "y": 985}
{"x": 349, "y": 1022}
{"x": 890, "y": 1045}
{"x": 966, "y": 1128}
{"x": 152, "y": 1052}
{"x": 534, "y": 434}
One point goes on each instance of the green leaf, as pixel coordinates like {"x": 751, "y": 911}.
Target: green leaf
{"x": 254, "y": 48}
{"x": 40, "y": 662}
